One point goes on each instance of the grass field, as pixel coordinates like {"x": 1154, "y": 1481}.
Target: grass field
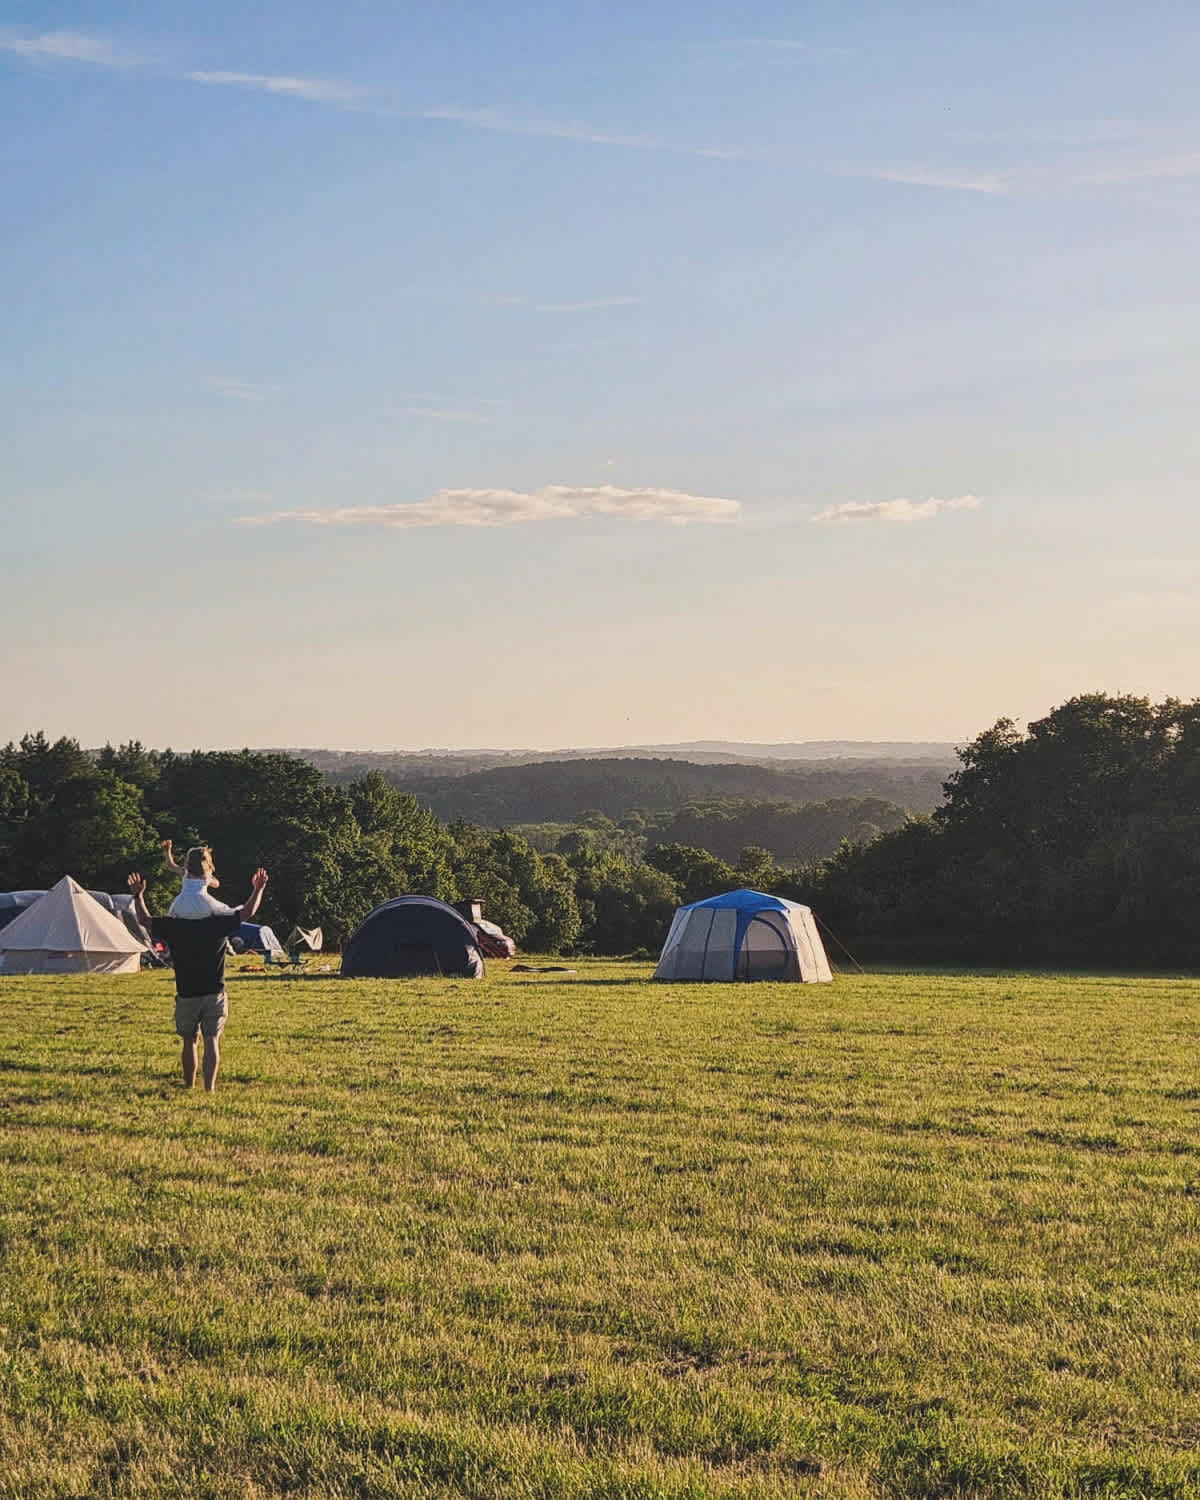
{"x": 588, "y": 1236}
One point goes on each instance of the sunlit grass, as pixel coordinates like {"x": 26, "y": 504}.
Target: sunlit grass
{"x": 589, "y": 1236}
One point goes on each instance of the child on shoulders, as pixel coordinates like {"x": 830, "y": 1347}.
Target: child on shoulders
{"x": 193, "y": 901}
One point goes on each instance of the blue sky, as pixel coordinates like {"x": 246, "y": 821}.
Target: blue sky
{"x": 381, "y": 375}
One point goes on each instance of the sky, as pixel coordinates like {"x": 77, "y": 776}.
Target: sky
{"x": 394, "y": 376}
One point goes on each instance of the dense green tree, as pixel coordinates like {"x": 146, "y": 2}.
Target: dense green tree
{"x": 410, "y": 841}
{"x": 273, "y": 810}
{"x": 14, "y": 809}
{"x": 755, "y": 868}
{"x": 792, "y": 832}
{"x": 131, "y": 762}
{"x": 1077, "y": 841}
{"x": 63, "y": 815}
{"x": 44, "y": 765}
{"x": 528, "y": 894}
{"x": 696, "y": 873}
{"x": 625, "y": 908}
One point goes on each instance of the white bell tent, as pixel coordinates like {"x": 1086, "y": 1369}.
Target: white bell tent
{"x": 744, "y": 935}
{"x": 66, "y": 931}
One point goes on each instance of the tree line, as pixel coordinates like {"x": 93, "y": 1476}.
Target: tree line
{"x": 1075, "y": 841}
{"x": 333, "y": 852}
{"x": 794, "y": 833}
{"x": 561, "y": 791}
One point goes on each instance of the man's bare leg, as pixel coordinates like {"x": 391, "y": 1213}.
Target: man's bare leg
{"x": 187, "y": 1058}
{"x": 212, "y": 1061}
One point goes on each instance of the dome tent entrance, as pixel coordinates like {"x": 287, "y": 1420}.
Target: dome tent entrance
{"x": 744, "y": 935}
{"x": 411, "y": 935}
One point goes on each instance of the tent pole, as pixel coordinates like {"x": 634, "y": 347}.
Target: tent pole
{"x": 829, "y": 930}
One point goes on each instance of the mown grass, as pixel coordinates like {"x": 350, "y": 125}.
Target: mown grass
{"x": 588, "y": 1236}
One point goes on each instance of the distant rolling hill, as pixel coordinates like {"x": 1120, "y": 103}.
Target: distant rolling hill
{"x": 344, "y": 765}
{"x": 561, "y": 791}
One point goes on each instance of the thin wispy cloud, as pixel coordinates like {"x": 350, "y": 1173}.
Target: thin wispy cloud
{"x": 71, "y": 46}
{"x": 497, "y": 507}
{"x": 595, "y": 305}
{"x": 748, "y": 51}
{"x": 966, "y": 181}
{"x": 445, "y": 414}
{"x": 233, "y": 389}
{"x": 463, "y": 401}
{"x": 315, "y": 90}
{"x": 755, "y": 44}
{"x": 567, "y": 130}
{"x": 1078, "y": 134}
{"x": 68, "y": 46}
{"x": 1096, "y": 168}
{"x": 892, "y": 512}
{"x": 1145, "y": 169}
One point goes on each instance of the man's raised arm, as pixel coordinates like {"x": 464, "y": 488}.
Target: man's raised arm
{"x": 258, "y": 883}
{"x": 137, "y": 887}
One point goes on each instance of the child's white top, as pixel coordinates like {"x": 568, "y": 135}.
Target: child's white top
{"x": 194, "y": 901}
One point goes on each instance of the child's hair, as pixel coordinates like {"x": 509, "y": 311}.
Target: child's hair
{"x": 198, "y": 862}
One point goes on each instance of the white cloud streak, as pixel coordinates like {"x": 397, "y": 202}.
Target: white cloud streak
{"x": 996, "y": 184}
{"x": 67, "y": 46}
{"x": 314, "y": 90}
{"x": 892, "y": 512}
{"x": 560, "y": 130}
{"x": 756, "y": 44}
{"x": 1148, "y": 169}
{"x": 1101, "y": 171}
{"x": 238, "y": 390}
{"x": 494, "y": 507}
{"x": 445, "y": 414}
{"x": 594, "y": 306}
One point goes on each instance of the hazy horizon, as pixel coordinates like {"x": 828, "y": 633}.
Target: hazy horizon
{"x": 602, "y": 376}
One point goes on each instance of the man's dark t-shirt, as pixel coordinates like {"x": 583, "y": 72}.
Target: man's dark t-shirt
{"x": 197, "y": 950}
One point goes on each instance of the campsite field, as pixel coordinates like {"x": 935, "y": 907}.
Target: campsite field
{"x": 585, "y": 1236}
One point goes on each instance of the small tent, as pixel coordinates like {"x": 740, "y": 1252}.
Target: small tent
{"x": 744, "y": 935}
{"x": 67, "y": 931}
{"x": 257, "y": 937}
{"x": 311, "y": 938}
{"x": 411, "y": 935}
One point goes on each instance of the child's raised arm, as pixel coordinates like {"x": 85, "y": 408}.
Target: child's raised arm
{"x": 167, "y": 859}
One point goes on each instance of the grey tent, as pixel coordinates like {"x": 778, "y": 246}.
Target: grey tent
{"x": 744, "y": 935}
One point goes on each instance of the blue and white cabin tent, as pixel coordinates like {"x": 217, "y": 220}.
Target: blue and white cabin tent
{"x": 744, "y": 935}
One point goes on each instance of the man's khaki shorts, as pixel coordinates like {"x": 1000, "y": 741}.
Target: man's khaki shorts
{"x": 200, "y": 1013}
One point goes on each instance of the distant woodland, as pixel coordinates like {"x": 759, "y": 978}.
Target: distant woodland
{"x": 1074, "y": 841}
{"x": 564, "y": 790}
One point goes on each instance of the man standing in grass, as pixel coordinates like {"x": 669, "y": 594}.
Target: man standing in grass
{"x": 197, "y": 947}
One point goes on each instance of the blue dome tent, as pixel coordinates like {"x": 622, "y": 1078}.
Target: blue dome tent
{"x": 411, "y": 935}
{"x": 257, "y": 937}
{"x": 744, "y": 935}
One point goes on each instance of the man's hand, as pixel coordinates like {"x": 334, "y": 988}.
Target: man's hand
{"x": 258, "y": 882}
{"x": 138, "y": 886}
